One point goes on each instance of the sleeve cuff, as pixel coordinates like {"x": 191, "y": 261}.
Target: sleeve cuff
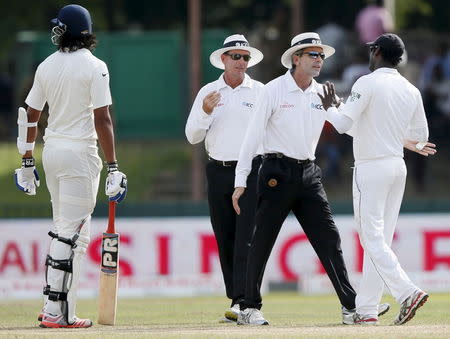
{"x": 39, "y": 106}
{"x": 240, "y": 181}
{"x": 330, "y": 111}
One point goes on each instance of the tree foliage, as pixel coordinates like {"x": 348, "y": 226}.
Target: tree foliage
{"x": 115, "y": 15}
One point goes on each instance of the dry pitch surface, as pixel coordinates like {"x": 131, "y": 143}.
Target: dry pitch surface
{"x": 290, "y": 316}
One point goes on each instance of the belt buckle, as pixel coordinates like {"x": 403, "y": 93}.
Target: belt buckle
{"x": 224, "y": 164}
{"x": 279, "y": 155}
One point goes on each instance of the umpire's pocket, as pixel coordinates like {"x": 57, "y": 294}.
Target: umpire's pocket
{"x": 312, "y": 175}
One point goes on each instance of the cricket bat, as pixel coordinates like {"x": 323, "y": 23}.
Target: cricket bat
{"x": 109, "y": 273}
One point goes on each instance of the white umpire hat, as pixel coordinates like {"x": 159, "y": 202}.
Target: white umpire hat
{"x": 235, "y": 41}
{"x": 304, "y": 40}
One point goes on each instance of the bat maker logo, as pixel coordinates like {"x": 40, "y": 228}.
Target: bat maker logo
{"x": 110, "y": 248}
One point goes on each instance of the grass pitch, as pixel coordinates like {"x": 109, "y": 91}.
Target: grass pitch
{"x": 290, "y": 316}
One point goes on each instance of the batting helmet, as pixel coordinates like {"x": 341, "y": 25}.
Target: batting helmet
{"x": 74, "y": 19}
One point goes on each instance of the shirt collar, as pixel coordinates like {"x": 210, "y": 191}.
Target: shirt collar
{"x": 292, "y": 85}
{"x": 80, "y": 51}
{"x": 246, "y": 83}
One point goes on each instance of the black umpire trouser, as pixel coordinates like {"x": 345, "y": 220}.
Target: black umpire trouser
{"x": 285, "y": 185}
{"x": 233, "y": 232}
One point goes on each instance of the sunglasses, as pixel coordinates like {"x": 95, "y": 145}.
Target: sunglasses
{"x": 372, "y": 48}
{"x": 314, "y": 55}
{"x": 237, "y": 56}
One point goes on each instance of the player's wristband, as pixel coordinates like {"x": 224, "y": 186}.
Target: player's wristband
{"x": 112, "y": 167}
{"x": 28, "y": 162}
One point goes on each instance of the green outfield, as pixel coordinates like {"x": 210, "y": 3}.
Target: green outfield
{"x": 290, "y": 316}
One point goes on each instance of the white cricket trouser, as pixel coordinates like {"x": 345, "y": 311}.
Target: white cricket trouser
{"x": 378, "y": 187}
{"x": 72, "y": 172}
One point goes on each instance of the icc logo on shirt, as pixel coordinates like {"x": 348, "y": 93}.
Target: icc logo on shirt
{"x": 317, "y": 106}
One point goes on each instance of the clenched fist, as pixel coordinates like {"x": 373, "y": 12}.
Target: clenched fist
{"x": 211, "y": 101}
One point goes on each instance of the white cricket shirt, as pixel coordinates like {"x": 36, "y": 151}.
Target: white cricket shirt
{"x": 73, "y": 84}
{"x": 386, "y": 109}
{"x": 287, "y": 120}
{"x": 224, "y": 129}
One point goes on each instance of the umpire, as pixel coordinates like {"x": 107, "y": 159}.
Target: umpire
{"x": 291, "y": 116}
{"x": 220, "y": 115}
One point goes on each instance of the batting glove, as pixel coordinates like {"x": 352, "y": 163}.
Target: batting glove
{"x": 116, "y": 183}
{"x": 27, "y": 177}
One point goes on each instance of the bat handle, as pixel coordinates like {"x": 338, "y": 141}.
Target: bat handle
{"x": 112, "y": 216}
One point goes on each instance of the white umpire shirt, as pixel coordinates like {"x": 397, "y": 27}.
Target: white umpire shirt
{"x": 73, "y": 84}
{"x": 288, "y": 120}
{"x": 385, "y": 109}
{"x": 224, "y": 129}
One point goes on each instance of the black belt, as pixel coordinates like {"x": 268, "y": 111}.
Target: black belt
{"x": 223, "y": 163}
{"x": 282, "y": 156}
{"x": 230, "y": 163}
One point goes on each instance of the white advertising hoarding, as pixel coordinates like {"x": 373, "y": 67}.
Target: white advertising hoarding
{"x": 178, "y": 256}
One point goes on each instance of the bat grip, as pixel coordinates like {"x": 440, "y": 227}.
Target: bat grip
{"x": 111, "y": 216}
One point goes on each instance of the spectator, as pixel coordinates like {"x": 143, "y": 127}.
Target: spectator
{"x": 372, "y": 21}
{"x": 334, "y": 35}
{"x": 437, "y": 58}
{"x": 356, "y": 69}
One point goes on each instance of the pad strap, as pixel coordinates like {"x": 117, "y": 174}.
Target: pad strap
{"x": 71, "y": 242}
{"x": 61, "y": 264}
{"x": 26, "y": 124}
{"x": 53, "y": 295}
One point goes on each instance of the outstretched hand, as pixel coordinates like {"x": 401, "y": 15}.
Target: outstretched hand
{"x": 329, "y": 97}
{"x": 424, "y": 149}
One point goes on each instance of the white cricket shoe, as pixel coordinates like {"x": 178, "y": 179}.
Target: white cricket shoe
{"x": 348, "y": 315}
{"x": 409, "y": 307}
{"x": 58, "y": 321}
{"x": 361, "y": 319}
{"x": 251, "y": 316}
{"x": 233, "y": 313}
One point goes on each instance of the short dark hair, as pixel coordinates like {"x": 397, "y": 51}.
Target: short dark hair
{"x": 70, "y": 43}
{"x": 390, "y": 56}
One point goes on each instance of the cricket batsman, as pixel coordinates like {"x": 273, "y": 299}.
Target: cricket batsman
{"x": 75, "y": 85}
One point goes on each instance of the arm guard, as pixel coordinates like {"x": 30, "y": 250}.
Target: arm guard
{"x": 23, "y": 124}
